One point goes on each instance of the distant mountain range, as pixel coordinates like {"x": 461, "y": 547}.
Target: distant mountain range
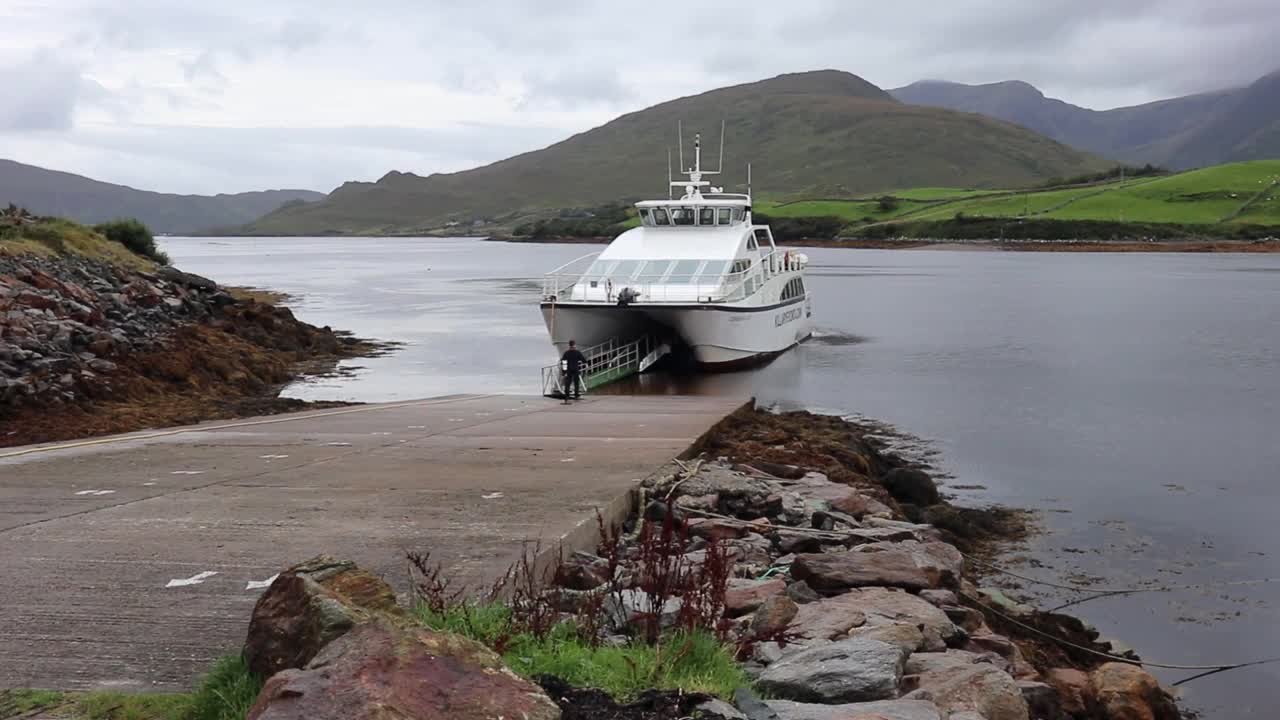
{"x": 823, "y": 133}
{"x": 1180, "y": 133}
{"x": 49, "y": 192}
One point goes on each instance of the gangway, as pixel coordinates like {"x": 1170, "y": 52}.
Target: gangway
{"x": 610, "y": 361}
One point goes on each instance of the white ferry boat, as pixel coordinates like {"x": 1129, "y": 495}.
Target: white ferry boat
{"x": 696, "y": 274}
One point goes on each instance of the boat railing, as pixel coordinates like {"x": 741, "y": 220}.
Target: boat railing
{"x": 609, "y": 361}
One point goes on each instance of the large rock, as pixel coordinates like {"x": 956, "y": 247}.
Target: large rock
{"x": 1075, "y": 694}
{"x": 743, "y": 596}
{"x": 880, "y": 710}
{"x": 907, "y": 565}
{"x": 959, "y": 681}
{"x": 384, "y": 670}
{"x": 907, "y": 637}
{"x": 774, "y": 616}
{"x": 910, "y": 485}
{"x": 1127, "y": 692}
{"x": 1042, "y": 700}
{"x": 308, "y": 606}
{"x": 854, "y": 670}
{"x": 834, "y": 617}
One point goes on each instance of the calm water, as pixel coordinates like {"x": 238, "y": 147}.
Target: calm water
{"x": 1135, "y": 399}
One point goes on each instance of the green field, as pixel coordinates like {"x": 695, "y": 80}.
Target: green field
{"x": 1234, "y": 194}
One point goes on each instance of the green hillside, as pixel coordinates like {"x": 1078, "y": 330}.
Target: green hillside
{"x": 1211, "y": 196}
{"x": 818, "y": 134}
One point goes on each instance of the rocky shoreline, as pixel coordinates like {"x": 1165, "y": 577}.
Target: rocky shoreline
{"x": 835, "y": 569}
{"x": 89, "y": 347}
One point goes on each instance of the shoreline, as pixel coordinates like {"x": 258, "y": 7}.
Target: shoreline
{"x": 89, "y": 348}
{"x": 993, "y": 245}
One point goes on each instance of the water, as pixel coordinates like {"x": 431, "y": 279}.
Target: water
{"x": 1135, "y": 399}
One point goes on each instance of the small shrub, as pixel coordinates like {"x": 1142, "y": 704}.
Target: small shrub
{"x": 887, "y": 203}
{"x": 48, "y": 235}
{"x": 134, "y": 235}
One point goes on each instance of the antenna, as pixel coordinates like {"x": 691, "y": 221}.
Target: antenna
{"x": 720, "y": 167}
{"x": 748, "y": 180}
{"x": 680, "y": 135}
{"x": 697, "y": 156}
{"x": 669, "y": 173}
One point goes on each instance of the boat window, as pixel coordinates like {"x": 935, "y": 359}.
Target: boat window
{"x": 624, "y": 270}
{"x": 751, "y": 243}
{"x": 654, "y": 270}
{"x": 660, "y": 216}
{"x": 762, "y": 236}
{"x": 707, "y": 216}
{"x": 722, "y": 216}
{"x": 737, "y": 214}
{"x": 684, "y": 271}
{"x": 682, "y": 216}
{"x": 645, "y": 217}
{"x": 713, "y": 269}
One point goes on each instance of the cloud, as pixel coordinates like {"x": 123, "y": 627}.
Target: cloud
{"x": 231, "y": 95}
{"x": 41, "y": 93}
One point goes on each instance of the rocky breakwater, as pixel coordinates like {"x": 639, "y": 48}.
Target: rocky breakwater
{"x": 90, "y": 347}
{"x": 840, "y": 604}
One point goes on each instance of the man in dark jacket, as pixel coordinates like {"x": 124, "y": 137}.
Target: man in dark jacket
{"x": 574, "y": 361}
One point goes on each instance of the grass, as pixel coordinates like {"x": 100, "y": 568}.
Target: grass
{"x": 64, "y": 237}
{"x": 226, "y": 693}
{"x": 694, "y": 662}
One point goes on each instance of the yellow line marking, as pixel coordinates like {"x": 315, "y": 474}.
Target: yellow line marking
{"x": 228, "y": 426}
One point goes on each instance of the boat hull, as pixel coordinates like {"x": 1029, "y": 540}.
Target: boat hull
{"x": 721, "y": 337}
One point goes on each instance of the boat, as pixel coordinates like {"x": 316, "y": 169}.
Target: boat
{"x": 697, "y": 275}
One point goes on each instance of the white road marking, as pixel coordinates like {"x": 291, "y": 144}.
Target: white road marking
{"x": 148, "y": 484}
{"x": 456, "y": 420}
{"x": 380, "y": 433}
{"x": 187, "y": 472}
{"x": 193, "y": 580}
{"x": 568, "y": 459}
{"x": 260, "y": 584}
{"x": 273, "y": 457}
{"x": 492, "y": 496}
{"x": 96, "y": 493}
{"x": 338, "y": 444}
{"x": 417, "y": 427}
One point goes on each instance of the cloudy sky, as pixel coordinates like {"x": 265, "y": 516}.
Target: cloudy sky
{"x": 202, "y": 97}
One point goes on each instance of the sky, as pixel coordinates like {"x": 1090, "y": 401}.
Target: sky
{"x": 205, "y": 97}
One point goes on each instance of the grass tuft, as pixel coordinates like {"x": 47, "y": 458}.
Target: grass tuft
{"x": 694, "y": 662}
{"x": 226, "y": 693}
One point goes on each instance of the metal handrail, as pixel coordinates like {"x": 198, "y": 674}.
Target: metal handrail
{"x": 610, "y": 360}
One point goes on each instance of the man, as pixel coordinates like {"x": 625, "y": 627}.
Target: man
{"x": 573, "y": 361}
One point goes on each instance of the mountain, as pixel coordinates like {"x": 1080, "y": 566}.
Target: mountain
{"x": 824, "y": 133}
{"x": 49, "y": 192}
{"x": 1180, "y": 133}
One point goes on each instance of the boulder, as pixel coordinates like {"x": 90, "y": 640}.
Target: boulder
{"x": 908, "y": 637}
{"x": 744, "y": 596}
{"x": 774, "y": 616}
{"x": 1127, "y": 692}
{"x": 835, "y": 617}
{"x": 907, "y": 565}
{"x": 940, "y": 598}
{"x": 854, "y": 670}
{"x": 959, "y": 681}
{"x": 717, "y": 708}
{"x": 308, "y": 606}
{"x": 880, "y": 710}
{"x": 582, "y": 571}
{"x": 802, "y": 593}
{"x": 1075, "y": 694}
{"x": 1042, "y": 700}
{"x": 715, "y": 529}
{"x": 631, "y": 606}
{"x": 385, "y": 669}
{"x": 910, "y": 485}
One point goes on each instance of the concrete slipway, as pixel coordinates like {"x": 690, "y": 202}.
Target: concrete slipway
{"x": 132, "y": 562}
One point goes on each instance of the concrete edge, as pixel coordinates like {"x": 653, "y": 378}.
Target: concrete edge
{"x": 585, "y": 535}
